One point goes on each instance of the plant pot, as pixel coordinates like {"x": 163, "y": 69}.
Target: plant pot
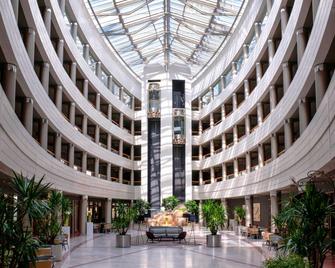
{"x": 213, "y": 241}
{"x": 57, "y": 252}
{"x": 123, "y": 241}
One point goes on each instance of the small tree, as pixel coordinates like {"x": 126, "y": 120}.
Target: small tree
{"x": 170, "y": 203}
{"x": 140, "y": 209}
{"x": 239, "y": 214}
{"x": 192, "y": 207}
{"x": 124, "y": 216}
{"x": 66, "y": 210}
{"x": 214, "y": 214}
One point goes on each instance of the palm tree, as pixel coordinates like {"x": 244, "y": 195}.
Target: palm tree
{"x": 17, "y": 212}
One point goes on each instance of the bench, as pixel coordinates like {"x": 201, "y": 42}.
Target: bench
{"x": 165, "y": 232}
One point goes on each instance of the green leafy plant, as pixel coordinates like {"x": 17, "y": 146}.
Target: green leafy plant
{"x": 302, "y": 224}
{"x": 239, "y": 214}
{"x": 18, "y": 209}
{"x": 170, "y": 203}
{"x": 214, "y": 215}
{"x": 49, "y": 227}
{"x": 124, "y": 216}
{"x": 66, "y": 210}
{"x": 140, "y": 209}
{"x": 287, "y": 261}
{"x": 192, "y": 207}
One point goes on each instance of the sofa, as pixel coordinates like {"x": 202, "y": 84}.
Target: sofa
{"x": 166, "y": 232}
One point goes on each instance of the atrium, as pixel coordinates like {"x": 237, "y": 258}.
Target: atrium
{"x": 167, "y": 133}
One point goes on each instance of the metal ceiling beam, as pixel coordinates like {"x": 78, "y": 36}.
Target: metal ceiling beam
{"x": 167, "y": 34}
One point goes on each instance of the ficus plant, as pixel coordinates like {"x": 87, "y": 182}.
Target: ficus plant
{"x": 192, "y": 207}
{"x": 239, "y": 214}
{"x": 124, "y": 216}
{"x": 214, "y": 215}
{"x": 170, "y": 203}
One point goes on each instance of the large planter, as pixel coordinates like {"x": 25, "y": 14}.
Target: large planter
{"x": 213, "y": 241}
{"x": 123, "y": 241}
{"x": 57, "y": 252}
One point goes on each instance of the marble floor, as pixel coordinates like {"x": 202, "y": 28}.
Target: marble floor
{"x": 100, "y": 251}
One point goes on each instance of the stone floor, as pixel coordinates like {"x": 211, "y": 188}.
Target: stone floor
{"x": 100, "y": 251}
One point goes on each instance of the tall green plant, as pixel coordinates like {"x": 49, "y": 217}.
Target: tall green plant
{"x": 214, "y": 215}
{"x": 18, "y": 209}
{"x": 124, "y": 216}
{"x": 66, "y": 210}
{"x": 239, "y": 214}
{"x": 192, "y": 207}
{"x": 170, "y": 203}
{"x": 140, "y": 209}
{"x": 302, "y": 223}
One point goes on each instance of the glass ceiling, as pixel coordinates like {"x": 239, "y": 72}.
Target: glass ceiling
{"x": 166, "y": 31}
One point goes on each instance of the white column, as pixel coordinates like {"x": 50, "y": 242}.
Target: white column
{"x": 259, "y": 113}
{"x": 59, "y": 97}
{"x": 45, "y": 76}
{"x": 109, "y": 165}
{"x": 86, "y": 52}
{"x": 96, "y": 167}
{"x": 84, "y": 124}
{"x": 260, "y": 155}
{"x": 301, "y": 43}
{"x": 211, "y": 147}
{"x": 271, "y": 50}
{"x": 273, "y": 97}
{"x": 47, "y": 20}
{"x": 74, "y": 30}
{"x": 274, "y": 209}
{"x": 132, "y": 177}
{"x": 83, "y": 214}
{"x": 109, "y": 112}
{"x": 235, "y": 134}
{"x": 224, "y": 171}
{"x": 223, "y": 141}
{"x": 247, "y": 161}
{"x": 121, "y": 120}
{"x": 98, "y": 69}
{"x": 200, "y": 152}
{"x": 259, "y": 72}
{"x": 28, "y": 111}
{"x": 44, "y": 133}
{"x": 58, "y": 146}
{"x": 97, "y": 102}
{"x": 108, "y": 210}
{"x": 247, "y": 124}
{"x": 71, "y": 155}
{"x": 212, "y": 175}
{"x": 235, "y": 167}
{"x": 234, "y": 68}
{"x": 283, "y": 20}
{"x": 60, "y": 50}
{"x": 246, "y": 88}
{"x": 274, "y": 146}
{"x": 97, "y": 134}
{"x": 29, "y": 42}
{"x": 287, "y": 76}
{"x": 303, "y": 115}
{"x": 258, "y": 29}
{"x": 109, "y": 141}
{"x": 234, "y": 101}
{"x": 72, "y": 113}
{"x": 84, "y": 162}
{"x": 9, "y": 83}
{"x": 223, "y": 112}
{"x": 245, "y": 51}
{"x": 211, "y": 120}
{"x": 85, "y": 88}
{"x": 288, "y": 135}
{"x": 321, "y": 83}
{"x": 110, "y": 82}
{"x": 121, "y": 148}
{"x": 73, "y": 72}
{"x": 248, "y": 210}
{"x": 201, "y": 179}
{"x": 62, "y": 5}
{"x": 121, "y": 175}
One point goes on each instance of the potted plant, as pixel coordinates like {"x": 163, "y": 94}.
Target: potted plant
{"x": 303, "y": 220}
{"x": 18, "y": 209}
{"x": 239, "y": 213}
{"x": 124, "y": 216}
{"x": 170, "y": 203}
{"x": 215, "y": 217}
{"x": 66, "y": 210}
{"x": 192, "y": 208}
{"x": 49, "y": 226}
